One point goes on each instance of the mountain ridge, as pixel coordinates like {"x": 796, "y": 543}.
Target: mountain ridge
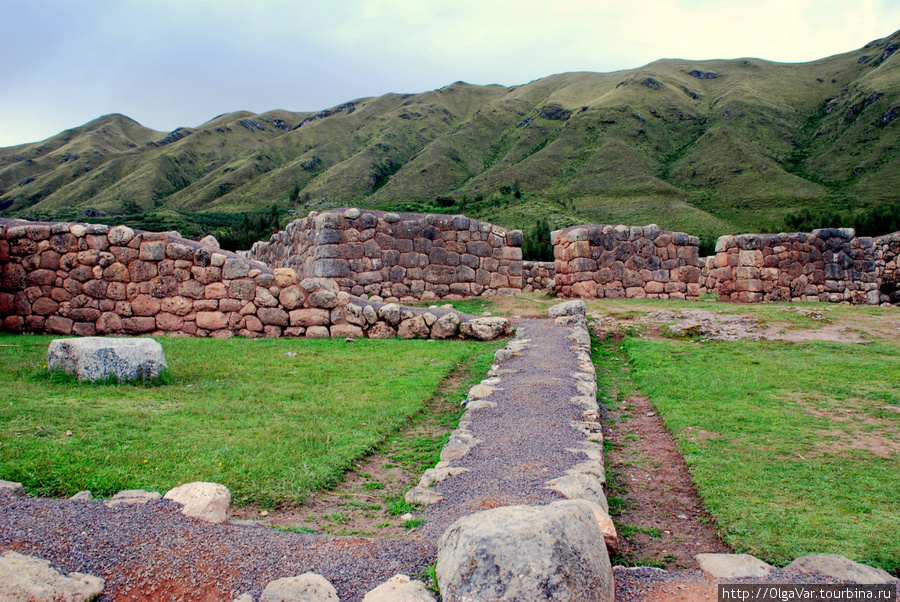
{"x": 713, "y": 146}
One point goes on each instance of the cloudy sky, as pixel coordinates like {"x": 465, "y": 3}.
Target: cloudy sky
{"x": 171, "y": 63}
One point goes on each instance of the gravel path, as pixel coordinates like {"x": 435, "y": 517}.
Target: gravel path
{"x": 523, "y": 439}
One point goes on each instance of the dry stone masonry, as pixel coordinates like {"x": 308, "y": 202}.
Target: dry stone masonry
{"x": 830, "y": 265}
{"x": 538, "y": 276}
{"x": 399, "y": 257}
{"x": 95, "y": 280}
{"x": 614, "y": 262}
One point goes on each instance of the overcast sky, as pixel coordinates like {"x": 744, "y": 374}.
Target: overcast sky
{"x": 171, "y": 63}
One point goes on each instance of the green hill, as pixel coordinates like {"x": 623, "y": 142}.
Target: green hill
{"x": 709, "y": 147}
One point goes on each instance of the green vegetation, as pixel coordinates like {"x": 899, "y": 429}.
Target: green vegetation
{"x": 874, "y": 221}
{"x": 799, "y": 444}
{"x": 738, "y": 153}
{"x": 239, "y": 412}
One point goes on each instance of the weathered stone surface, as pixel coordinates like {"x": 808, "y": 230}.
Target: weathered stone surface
{"x": 486, "y": 329}
{"x": 553, "y": 552}
{"x": 206, "y": 501}
{"x": 210, "y": 241}
{"x": 580, "y": 486}
{"x": 480, "y": 392}
{"x": 12, "y": 489}
{"x": 568, "y": 308}
{"x": 26, "y": 578}
{"x": 120, "y": 235}
{"x": 308, "y": 587}
{"x": 390, "y": 313}
{"x": 424, "y": 496}
{"x": 132, "y": 496}
{"x": 211, "y": 320}
{"x": 96, "y": 358}
{"x": 732, "y": 566}
{"x": 446, "y": 326}
{"x": 413, "y": 328}
{"x": 836, "y": 566}
{"x": 380, "y": 330}
{"x": 400, "y": 588}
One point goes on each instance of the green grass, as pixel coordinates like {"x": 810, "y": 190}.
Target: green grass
{"x": 239, "y": 412}
{"x": 794, "y": 448}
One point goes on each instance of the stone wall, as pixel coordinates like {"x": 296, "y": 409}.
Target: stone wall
{"x": 92, "y": 279}
{"x": 621, "y": 261}
{"x": 830, "y": 265}
{"x": 538, "y": 276}
{"x": 399, "y": 257}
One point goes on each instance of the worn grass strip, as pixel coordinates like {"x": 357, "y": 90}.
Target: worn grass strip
{"x": 270, "y": 426}
{"x": 795, "y": 448}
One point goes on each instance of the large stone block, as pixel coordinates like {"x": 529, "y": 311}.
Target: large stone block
{"x": 97, "y": 358}
{"x": 553, "y": 552}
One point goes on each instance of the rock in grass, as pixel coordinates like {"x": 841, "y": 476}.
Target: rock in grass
{"x": 400, "y": 588}
{"x": 12, "y": 489}
{"x": 98, "y": 358}
{"x": 486, "y": 329}
{"x": 732, "y": 566}
{"x": 553, "y": 552}
{"x": 569, "y": 308}
{"x": 206, "y": 501}
{"x": 29, "y": 578}
{"x": 308, "y": 587}
{"x": 839, "y": 567}
{"x": 82, "y": 496}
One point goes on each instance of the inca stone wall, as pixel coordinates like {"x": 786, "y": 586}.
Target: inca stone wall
{"x": 92, "y": 279}
{"x": 594, "y": 262}
{"x": 399, "y": 257}
{"x": 538, "y": 276}
{"x": 830, "y": 265}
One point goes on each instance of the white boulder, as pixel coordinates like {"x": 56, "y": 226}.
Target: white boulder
{"x": 206, "y": 501}
{"x": 308, "y": 587}
{"x": 97, "y": 358}
{"x": 400, "y": 588}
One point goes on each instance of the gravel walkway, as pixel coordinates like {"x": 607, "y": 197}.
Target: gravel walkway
{"x": 523, "y": 439}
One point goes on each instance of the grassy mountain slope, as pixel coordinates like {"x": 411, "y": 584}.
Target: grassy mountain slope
{"x": 705, "y": 146}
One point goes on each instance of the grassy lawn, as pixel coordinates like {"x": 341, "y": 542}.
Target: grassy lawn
{"x": 270, "y": 426}
{"x": 794, "y": 447}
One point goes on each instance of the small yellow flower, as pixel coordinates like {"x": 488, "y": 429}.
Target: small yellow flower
{"x": 220, "y": 463}
{"x": 145, "y": 461}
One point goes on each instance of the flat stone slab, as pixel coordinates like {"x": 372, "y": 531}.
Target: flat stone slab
{"x": 29, "y": 578}
{"x": 840, "y": 567}
{"x": 568, "y": 308}
{"x": 98, "y": 358}
{"x": 732, "y": 566}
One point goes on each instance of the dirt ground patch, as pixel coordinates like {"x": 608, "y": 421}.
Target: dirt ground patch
{"x": 658, "y": 514}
